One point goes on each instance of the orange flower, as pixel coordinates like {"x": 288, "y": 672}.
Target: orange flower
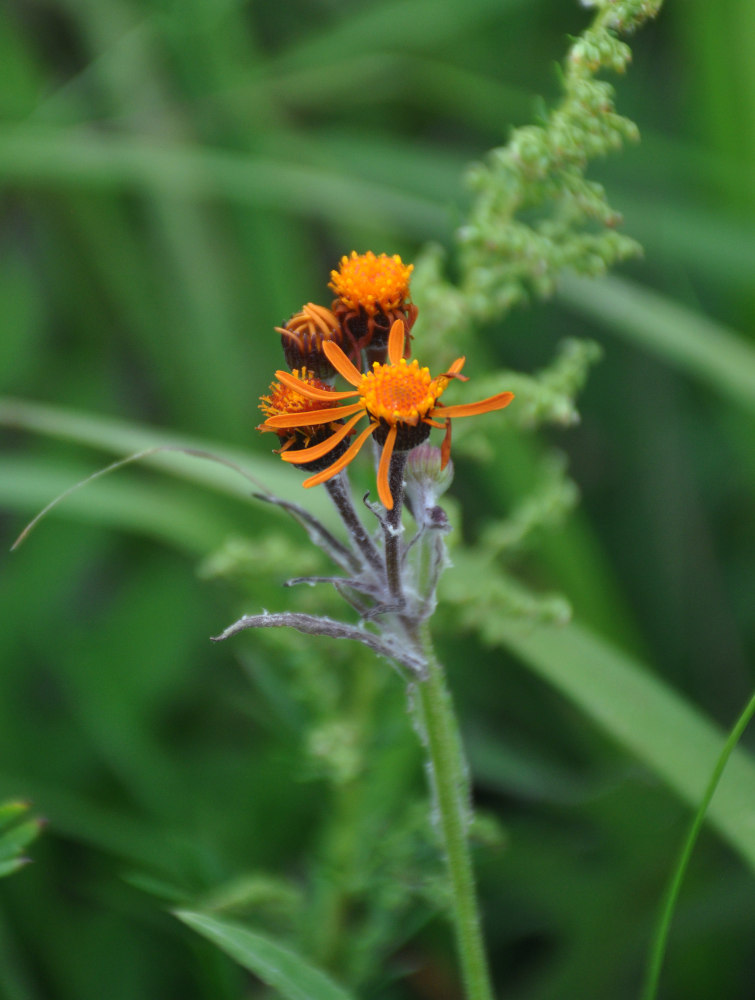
{"x": 372, "y": 293}
{"x": 399, "y": 398}
{"x": 377, "y": 284}
{"x": 285, "y": 399}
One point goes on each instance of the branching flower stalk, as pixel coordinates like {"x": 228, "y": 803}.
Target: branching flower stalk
{"x": 400, "y": 592}
{"x": 389, "y": 576}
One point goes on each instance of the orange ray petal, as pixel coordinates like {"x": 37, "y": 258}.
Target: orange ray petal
{"x": 456, "y": 367}
{"x": 445, "y": 448}
{"x": 384, "y": 489}
{"x": 308, "y": 418}
{"x": 310, "y": 391}
{"x": 472, "y": 409}
{"x": 318, "y": 450}
{"x": 396, "y": 342}
{"x": 341, "y": 363}
{"x": 342, "y": 462}
{"x": 321, "y": 316}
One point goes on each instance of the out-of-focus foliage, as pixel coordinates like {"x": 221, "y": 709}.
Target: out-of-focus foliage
{"x": 17, "y": 831}
{"x": 178, "y": 179}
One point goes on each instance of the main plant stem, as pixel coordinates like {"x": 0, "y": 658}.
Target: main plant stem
{"x": 451, "y": 792}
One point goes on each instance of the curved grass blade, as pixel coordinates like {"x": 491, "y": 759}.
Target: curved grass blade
{"x": 277, "y": 966}
{"x": 660, "y": 939}
{"x": 121, "y": 437}
{"x": 694, "y": 344}
{"x": 65, "y": 159}
{"x": 16, "y": 833}
{"x": 640, "y": 712}
{"x": 135, "y": 457}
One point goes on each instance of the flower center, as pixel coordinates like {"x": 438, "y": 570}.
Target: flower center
{"x": 402, "y": 393}
{"x": 377, "y": 284}
{"x": 282, "y": 400}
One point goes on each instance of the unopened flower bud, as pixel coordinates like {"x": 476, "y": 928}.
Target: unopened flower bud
{"x": 425, "y": 482}
{"x": 303, "y": 336}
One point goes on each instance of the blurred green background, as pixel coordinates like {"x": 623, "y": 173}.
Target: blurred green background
{"x": 177, "y": 179}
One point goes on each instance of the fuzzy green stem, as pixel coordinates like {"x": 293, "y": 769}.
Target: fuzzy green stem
{"x": 451, "y": 792}
{"x": 660, "y": 939}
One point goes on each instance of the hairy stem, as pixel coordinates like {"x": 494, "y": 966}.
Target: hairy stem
{"x": 451, "y": 793}
{"x": 341, "y": 497}
{"x": 393, "y": 524}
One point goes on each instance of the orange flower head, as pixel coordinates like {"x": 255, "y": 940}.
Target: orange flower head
{"x": 374, "y": 283}
{"x": 400, "y": 401}
{"x": 287, "y": 400}
{"x": 304, "y": 334}
{"x": 372, "y": 293}
{"x": 401, "y": 395}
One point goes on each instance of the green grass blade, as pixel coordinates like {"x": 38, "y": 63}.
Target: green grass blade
{"x": 16, "y": 834}
{"x": 16, "y": 839}
{"x": 716, "y": 248}
{"x": 119, "y": 437}
{"x": 691, "y": 342}
{"x": 647, "y": 717}
{"x": 425, "y": 25}
{"x": 55, "y": 157}
{"x": 9, "y": 867}
{"x": 650, "y": 990}
{"x": 162, "y": 511}
{"x": 10, "y": 813}
{"x": 279, "y": 967}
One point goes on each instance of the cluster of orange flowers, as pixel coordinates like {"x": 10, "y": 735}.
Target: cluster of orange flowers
{"x": 364, "y": 337}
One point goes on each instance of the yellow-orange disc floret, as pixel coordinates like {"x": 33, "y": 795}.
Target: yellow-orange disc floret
{"x": 400, "y": 400}
{"x": 399, "y": 393}
{"x": 314, "y": 419}
{"x": 285, "y": 399}
{"x": 376, "y": 283}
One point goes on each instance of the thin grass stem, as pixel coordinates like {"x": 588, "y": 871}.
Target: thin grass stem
{"x": 660, "y": 939}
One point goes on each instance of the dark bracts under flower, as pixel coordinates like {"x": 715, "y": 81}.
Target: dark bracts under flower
{"x": 399, "y": 398}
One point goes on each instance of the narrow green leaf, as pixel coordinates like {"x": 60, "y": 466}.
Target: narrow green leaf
{"x": 692, "y": 343}
{"x": 10, "y": 812}
{"x": 9, "y": 867}
{"x": 121, "y": 438}
{"x": 658, "y": 948}
{"x": 425, "y": 24}
{"x": 63, "y": 159}
{"x": 161, "y": 510}
{"x": 277, "y": 966}
{"x": 15, "y": 835}
{"x": 639, "y": 711}
{"x": 17, "y": 838}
